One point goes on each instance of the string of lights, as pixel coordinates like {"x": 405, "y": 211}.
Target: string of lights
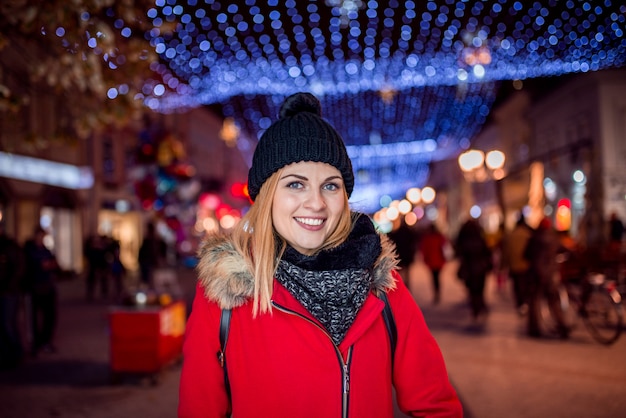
{"x": 424, "y": 73}
{"x": 220, "y": 50}
{"x": 391, "y": 143}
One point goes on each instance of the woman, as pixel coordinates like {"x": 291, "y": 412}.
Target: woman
{"x": 301, "y": 274}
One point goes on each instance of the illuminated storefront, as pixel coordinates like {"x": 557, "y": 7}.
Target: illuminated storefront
{"x": 126, "y": 227}
{"x": 49, "y": 194}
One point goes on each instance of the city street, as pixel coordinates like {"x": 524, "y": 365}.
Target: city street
{"x": 130, "y": 130}
{"x": 497, "y": 370}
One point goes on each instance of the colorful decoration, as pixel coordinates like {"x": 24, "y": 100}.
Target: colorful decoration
{"x": 164, "y": 180}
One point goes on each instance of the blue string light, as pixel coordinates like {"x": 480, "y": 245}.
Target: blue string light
{"x": 386, "y": 72}
{"x": 278, "y": 49}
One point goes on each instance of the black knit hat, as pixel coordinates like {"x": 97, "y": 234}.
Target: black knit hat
{"x": 299, "y": 134}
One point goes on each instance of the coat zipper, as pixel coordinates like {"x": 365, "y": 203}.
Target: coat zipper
{"x": 345, "y": 365}
{"x": 346, "y": 381}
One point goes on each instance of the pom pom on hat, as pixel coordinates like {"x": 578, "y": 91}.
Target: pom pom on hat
{"x": 301, "y": 102}
{"x": 300, "y": 134}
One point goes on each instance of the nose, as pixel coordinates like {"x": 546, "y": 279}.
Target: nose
{"x": 315, "y": 200}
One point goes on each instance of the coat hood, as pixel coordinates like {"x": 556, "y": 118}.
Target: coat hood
{"x": 226, "y": 279}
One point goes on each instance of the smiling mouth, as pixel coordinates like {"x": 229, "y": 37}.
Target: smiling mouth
{"x": 310, "y": 221}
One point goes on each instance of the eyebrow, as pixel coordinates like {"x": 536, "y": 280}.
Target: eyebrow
{"x": 306, "y": 178}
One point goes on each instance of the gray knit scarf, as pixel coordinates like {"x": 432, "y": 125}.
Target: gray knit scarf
{"x": 333, "y": 284}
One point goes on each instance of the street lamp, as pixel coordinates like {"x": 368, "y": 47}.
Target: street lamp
{"x": 479, "y": 167}
{"x": 416, "y": 195}
{"x": 428, "y": 195}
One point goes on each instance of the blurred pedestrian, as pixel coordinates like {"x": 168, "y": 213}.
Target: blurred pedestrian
{"x": 97, "y": 266}
{"x": 475, "y": 262}
{"x": 514, "y": 261}
{"x": 41, "y": 271}
{"x": 541, "y": 251}
{"x": 152, "y": 255}
{"x": 11, "y": 269}
{"x": 495, "y": 242}
{"x": 406, "y": 241}
{"x": 592, "y": 238}
{"x": 614, "y": 250}
{"x": 616, "y": 229}
{"x": 118, "y": 271}
{"x": 303, "y": 277}
{"x": 432, "y": 247}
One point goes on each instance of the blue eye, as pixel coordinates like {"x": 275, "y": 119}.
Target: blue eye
{"x": 332, "y": 186}
{"x": 294, "y": 185}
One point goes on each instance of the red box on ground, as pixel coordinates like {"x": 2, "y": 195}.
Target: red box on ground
{"x": 145, "y": 339}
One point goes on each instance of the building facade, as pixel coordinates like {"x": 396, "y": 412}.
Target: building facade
{"x": 78, "y": 187}
{"x": 565, "y": 148}
{"x": 579, "y": 134}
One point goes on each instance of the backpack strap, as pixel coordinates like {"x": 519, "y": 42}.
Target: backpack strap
{"x": 390, "y": 323}
{"x": 221, "y": 355}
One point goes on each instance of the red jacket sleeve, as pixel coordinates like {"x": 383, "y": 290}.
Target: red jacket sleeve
{"x": 420, "y": 377}
{"x": 202, "y": 391}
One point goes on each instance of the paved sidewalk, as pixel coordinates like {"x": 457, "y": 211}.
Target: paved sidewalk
{"x": 76, "y": 380}
{"x": 497, "y": 370}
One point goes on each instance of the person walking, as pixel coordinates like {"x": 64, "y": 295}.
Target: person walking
{"x": 514, "y": 261}
{"x": 495, "y": 242}
{"x": 152, "y": 255}
{"x": 117, "y": 268}
{"x": 613, "y": 254}
{"x": 406, "y": 242}
{"x": 97, "y": 267}
{"x": 616, "y": 229}
{"x": 11, "y": 270}
{"x": 475, "y": 262}
{"x": 432, "y": 248}
{"x": 303, "y": 276}
{"x": 541, "y": 251}
{"x": 41, "y": 271}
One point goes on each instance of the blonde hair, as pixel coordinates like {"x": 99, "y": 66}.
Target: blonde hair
{"x": 262, "y": 247}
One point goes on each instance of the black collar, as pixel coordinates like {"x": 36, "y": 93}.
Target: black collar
{"x": 359, "y": 251}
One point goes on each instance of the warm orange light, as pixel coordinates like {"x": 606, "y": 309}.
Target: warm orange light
{"x": 563, "y": 216}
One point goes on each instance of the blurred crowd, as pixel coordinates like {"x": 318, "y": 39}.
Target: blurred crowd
{"x": 29, "y": 270}
{"x": 530, "y": 261}
{"x": 29, "y": 276}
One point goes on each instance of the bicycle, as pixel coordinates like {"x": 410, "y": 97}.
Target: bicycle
{"x": 594, "y": 298}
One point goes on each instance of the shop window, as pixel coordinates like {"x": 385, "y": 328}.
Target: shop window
{"x": 64, "y": 236}
{"x": 59, "y": 218}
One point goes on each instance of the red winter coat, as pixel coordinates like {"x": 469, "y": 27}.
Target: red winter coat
{"x": 284, "y": 364}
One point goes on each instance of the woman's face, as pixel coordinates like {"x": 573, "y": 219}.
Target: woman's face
{"x": 308, "y": 204}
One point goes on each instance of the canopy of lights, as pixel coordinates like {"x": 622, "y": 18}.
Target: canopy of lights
{"x": 404, "y": 82}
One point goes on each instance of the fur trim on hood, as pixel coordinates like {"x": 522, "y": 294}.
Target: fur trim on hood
{"x": 225, "y": 278}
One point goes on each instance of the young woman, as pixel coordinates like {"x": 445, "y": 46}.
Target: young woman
{"x": 303, "y": 277}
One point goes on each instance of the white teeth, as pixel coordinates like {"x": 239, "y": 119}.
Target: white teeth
{"x": 309, "y": 221}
